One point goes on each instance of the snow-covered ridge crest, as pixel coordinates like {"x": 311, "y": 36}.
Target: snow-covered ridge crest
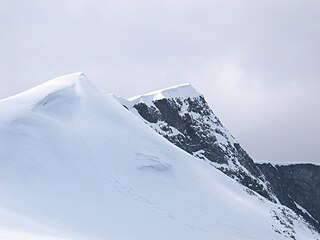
{"x": 274, "y": 164}
{"x": 179, "y": 91}
{"x": 71, "y": 86}
{"x": 52, "y": 85}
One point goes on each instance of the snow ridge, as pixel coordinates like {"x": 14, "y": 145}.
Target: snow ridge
{"x": 179, "y": 91}
{"x": 72, "y": 85}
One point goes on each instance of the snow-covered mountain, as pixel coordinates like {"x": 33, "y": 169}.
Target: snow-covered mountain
{"x": 182, "y": 115}
{"x": 76, "y": 164}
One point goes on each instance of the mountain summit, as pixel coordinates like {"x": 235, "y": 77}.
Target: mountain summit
{"x": 76, "y": 164}
{"x": 180, "y": 91}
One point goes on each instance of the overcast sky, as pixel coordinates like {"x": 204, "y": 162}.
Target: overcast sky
{"x": 256, "y": 62}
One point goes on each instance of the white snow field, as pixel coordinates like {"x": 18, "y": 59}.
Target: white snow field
{"x": 75, "y": 164}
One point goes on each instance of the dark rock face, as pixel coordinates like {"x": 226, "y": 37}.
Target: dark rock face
{"x": 190, "y": 124}
{"x": 296, "y": 184}
{"x": 194, "y": 137}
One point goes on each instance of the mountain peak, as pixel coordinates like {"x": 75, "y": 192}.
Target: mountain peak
{"x": 69, "y": 86}
{"x": 179, "y": 91}
{"x": 68, "y": 78}
{"x": 77, "y": 79}
{"x": 52, "y": 85}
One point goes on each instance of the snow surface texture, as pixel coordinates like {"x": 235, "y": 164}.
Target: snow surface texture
{"x": 75, "y": 164}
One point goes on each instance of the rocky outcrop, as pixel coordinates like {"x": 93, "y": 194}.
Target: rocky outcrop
{"x": 297, "y": 186}
{"x": 187, "y": 121}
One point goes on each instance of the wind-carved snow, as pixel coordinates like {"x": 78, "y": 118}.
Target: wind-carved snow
{"x": 153, "y": 163}
{"x": 182, "y": 91}
{"x": 59, "y": 105}
{"x": 75, "y": 164}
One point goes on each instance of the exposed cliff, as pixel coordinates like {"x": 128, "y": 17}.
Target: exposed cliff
{"x": 297, "y": 186}
{"x": 182, "y": 116}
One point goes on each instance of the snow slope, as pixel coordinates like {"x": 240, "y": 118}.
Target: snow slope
{"x": 75, "y": 164}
